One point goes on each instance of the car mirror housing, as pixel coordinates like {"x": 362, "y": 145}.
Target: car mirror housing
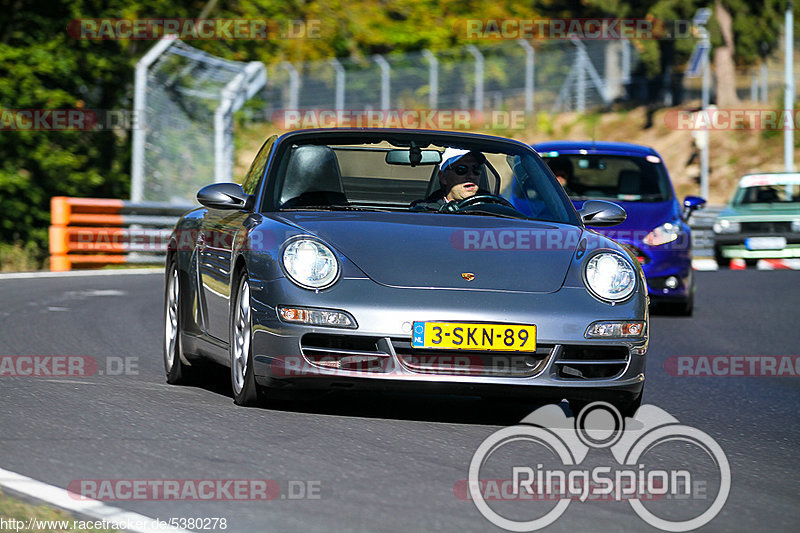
{"x": 223, "y": 196}
{"x": 690, "y": 204}
{"x": 602, "y": 213}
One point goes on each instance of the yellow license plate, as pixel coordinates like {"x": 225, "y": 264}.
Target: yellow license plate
{"x": 471, "y": 336}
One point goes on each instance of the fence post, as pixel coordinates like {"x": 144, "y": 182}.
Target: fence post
{"x": 340, "y": 83}
{"x": 294, "y": 85}
{"x": 626, "y": 61}
{"x": 580, "y": 89}
{"x": 788, "y": 91}
{"x": 386, "y": 80}
{"x": 764, "y": 96}
{"x": 139, "y": 107}
{"x": 529, "y": 72}
{"x": 472, "y": 49}
{"x": 433, "y": 79}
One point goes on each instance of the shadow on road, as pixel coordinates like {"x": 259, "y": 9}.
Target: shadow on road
{"x": 446, "y": 408}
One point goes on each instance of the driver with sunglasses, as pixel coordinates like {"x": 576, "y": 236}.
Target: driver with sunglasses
{"x": 458, "y": 179}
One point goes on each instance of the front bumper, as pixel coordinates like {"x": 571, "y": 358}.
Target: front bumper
{"x": 660, "y": 263}
{"x": 732, "y": 246}
{"x": 377, "y": 355}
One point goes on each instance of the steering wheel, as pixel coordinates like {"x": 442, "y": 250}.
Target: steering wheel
{"x": 452, "y": 207}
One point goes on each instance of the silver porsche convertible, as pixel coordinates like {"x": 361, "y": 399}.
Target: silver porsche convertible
{"x": 386, "y": 259}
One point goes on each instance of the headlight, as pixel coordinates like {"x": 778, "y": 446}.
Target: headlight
{"x": 727, "y": 226}
{"x": 609, "y": 276}
{"x": 310, "y": 264}
{"x": 663, "y": 234}
{"x": 796, "y": 225}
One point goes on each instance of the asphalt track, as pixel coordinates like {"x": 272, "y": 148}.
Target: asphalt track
{"x": 381, "y": 462}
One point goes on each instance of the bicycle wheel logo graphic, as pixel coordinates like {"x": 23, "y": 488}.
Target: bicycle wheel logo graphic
{"x": 599, "y": 425}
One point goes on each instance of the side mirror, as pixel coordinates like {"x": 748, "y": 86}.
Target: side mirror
{"x": 223, "y": 196}
{"x": 690, "y": 204}
{"x": 602, "y": 213}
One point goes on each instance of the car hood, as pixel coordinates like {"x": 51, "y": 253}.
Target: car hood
{"x": 642, "y": 216}
{"x": 761, "y": 212}
{"x": 422, "y": 250}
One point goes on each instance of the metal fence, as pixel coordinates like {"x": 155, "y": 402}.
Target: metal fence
{"x": 763, "y": 83}
{"x": 549, "y": 76}
{"x": 184, "y": 105}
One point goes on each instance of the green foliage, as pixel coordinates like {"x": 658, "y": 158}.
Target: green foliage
{"x": 42, "y": 67}
{"x": 20, "y": 257}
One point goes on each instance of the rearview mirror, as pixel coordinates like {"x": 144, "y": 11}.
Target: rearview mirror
{"x": 403, "y": 157}
{"x": 223, "y": 196}
{"x": 602, "y": 213}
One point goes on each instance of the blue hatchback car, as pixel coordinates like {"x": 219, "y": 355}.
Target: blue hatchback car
{"x": 655, "y": 231}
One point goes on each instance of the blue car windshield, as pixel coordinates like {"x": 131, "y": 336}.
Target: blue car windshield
{"x": 381, "y": 177}
{"x": 614, "y": 177}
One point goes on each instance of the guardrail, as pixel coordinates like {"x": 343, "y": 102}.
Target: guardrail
{"x": 94, "y": 232}
{"x": 701, "y": 222}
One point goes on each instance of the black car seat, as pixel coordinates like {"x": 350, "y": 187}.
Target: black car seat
{"x": 312, "y": 178}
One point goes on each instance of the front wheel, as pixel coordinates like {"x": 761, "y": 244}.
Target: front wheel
{"x": 177, "y": 371}
{"x": 243, "y": 381}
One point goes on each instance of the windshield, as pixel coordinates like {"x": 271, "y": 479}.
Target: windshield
{"x": 616, "y": 177}
{"x": 769, "y": 194}
{"x": 477, "y": 180}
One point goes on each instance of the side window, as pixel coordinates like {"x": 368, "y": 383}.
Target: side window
{"x": 257, "y": 168}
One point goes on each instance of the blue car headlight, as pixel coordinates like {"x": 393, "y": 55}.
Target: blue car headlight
{"x": 310, "y": 264}
{"x": 609, "y": 276}
{"x": 666, "y": 232}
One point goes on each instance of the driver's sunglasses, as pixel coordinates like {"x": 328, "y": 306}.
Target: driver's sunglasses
{"x": 462, "y": 170}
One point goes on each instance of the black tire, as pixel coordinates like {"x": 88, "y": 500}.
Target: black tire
{"x": 751, "y": 262}
{"x": 245, "y": 389}
{"x": 685, "y": 308}
{"x": 722, "y": 262}
{"x": 177, "y": 371}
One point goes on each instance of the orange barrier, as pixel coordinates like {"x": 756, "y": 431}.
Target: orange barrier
{"x": 94, "y": 232}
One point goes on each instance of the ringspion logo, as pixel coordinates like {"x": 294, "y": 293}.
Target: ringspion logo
{"x": 541, "y": 465}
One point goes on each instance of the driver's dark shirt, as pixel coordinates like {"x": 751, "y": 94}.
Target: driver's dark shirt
{"x": 432, "y": 203}
{"x": 435, "y": 201}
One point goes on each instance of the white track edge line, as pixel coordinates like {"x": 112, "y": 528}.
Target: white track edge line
{"x": 80, "y": 273}
{"x": 58, "y": 497}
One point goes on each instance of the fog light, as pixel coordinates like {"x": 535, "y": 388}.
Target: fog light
{"x": 317, "y": 317}
{"x": 610, "y": 330}
{"x": 671, "y": 282}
